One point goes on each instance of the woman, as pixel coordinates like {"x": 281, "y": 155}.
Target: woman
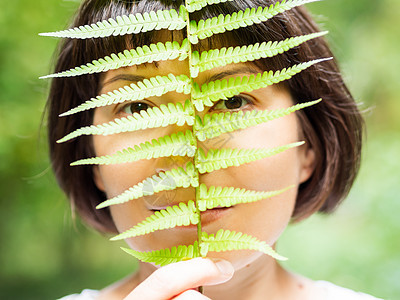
{"x": 321, "y": 171}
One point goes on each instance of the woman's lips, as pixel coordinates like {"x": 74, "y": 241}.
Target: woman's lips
{"x": 211, "y": 215}
{"x": 207, "y": 217}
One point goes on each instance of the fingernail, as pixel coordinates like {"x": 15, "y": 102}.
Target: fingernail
{"x": 225, "y": 272}
{"x": 225, "y": 267}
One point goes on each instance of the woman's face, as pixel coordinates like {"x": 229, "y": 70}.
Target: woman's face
{"x": 265, "y": 219}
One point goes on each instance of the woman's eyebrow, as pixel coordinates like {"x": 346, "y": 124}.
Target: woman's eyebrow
{"x": 133, "y": 78}
{"x": 126, "y": 77}
{"x": 233, "y": 71}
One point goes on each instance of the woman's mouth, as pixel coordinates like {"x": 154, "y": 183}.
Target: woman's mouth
{"x": 207, "y": 217}
{"x": 211, "y": 215}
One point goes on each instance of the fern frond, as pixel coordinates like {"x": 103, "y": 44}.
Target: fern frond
{"x": 224, "y": 158}
{"x": 166, "y": 256}
{"x": 211, "y": 126}
{"x": 194, "y": 5}
{"x": 214, "y": 125}
{"x": 140, "y": 55}
{"x": 164, "y": 181}
{"x": 150, "y": 118}
{"x": 177, "y": 144}
{"x": 172, "y": 216}
{"x": 154, "y": 86}
{"x": 223, "y": 89}
{"x": 225, "y": 240}
{"x": 206, "y": 28}
{"x": 133, "y": 23}
{"x": 230, "y": 196}
{"x": 220, "y": 57}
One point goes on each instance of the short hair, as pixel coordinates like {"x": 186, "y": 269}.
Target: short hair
{"x": 333, "y": 128}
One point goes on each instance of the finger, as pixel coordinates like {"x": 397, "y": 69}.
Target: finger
{"x": 191, "y": 295}
{"x": 173, "y": 279}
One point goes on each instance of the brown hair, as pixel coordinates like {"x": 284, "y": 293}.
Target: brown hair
{"x": 333, "y": 128}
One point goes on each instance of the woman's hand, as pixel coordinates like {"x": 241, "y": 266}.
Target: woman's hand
{"x": 178, "y": 281}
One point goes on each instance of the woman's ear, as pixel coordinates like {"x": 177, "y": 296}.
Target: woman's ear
{"x": 307, "y": 163}
{"x": 98, "y": 180}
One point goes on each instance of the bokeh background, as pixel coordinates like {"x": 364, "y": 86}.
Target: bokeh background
{"x": 45, "y": 254}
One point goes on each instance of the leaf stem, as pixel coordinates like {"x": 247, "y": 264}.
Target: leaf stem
{"x": 199, "y": 232}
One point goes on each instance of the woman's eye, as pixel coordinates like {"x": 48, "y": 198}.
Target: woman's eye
{"x": 235, "y": 102}
{"x": 135, "y": 107}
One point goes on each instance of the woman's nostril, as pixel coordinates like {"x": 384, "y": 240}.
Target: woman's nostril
{"x": 164, "y": 164}
{"x": 158, "y": 170}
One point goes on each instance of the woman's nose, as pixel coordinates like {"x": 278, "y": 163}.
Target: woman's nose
{"x": 164, "y": 164}
{"x": 181, "y": 154}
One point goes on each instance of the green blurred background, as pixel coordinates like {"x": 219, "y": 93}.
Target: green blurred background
{"x": 44, "y": 254}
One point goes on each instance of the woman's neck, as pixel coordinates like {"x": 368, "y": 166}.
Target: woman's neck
{"x": 263, "y": 279}
{"x": 257, "y": 280}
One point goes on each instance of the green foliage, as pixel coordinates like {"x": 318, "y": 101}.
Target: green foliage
{"x": 216, "y": 159}
{"x": 164, "y": 181}
{"x": 206, "y": 28}
{"x": 220, "y": 57}
{"x": 177, "y": 215}
{"x": 212, "y": 125}
{"x": 178, "y": 144}
{"x": 166, "y": 256}
{"x": 138, "y": 56}
{"x": 229, "y": 196}
{"x": 132, "y": 24}
{"x": 225, "y": 240}
{"x": 194, "y": 5}
{"x": 154, "y": 86}
{"x": 223, "y": 89}
{"x": 150, "y": 118}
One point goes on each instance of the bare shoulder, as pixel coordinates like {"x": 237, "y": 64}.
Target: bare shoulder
{"x": 307, "y": 289}
{"x": 329, "y": 291}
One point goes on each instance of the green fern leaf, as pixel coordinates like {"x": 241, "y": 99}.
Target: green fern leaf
{"x": 214, "y": 125}
{"x": 177, "y": 144}
{"x": 229, "y": 196}
{"x": 154, "y": 86}
{"x": 140, "y": 55}
{"x": 132, "y": 24}
{"x": 172, "y": 216}
{"x": 150, "y": 118}
{"x": 206, "y": 28}
{"x": 166, "y": 256}
{"x": 224, "y": 158}
{"x": 194, "y": 5}
{"x": 164, "y": 181}
{"x": 226, "y": 240}
{"x": 184, "y": 143}
{"x": 223, "y": 89}
{"x": 220, "y": 57}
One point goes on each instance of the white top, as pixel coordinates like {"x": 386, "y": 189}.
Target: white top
{"x": 327, "y": 290}
{"x": 330, "y": 291}
{"x": 85, "y": 295}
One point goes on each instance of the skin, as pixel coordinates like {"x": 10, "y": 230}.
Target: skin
{"x": 246, "y": 274}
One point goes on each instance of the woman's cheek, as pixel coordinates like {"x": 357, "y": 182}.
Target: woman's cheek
{"x": 118, "y": 178}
